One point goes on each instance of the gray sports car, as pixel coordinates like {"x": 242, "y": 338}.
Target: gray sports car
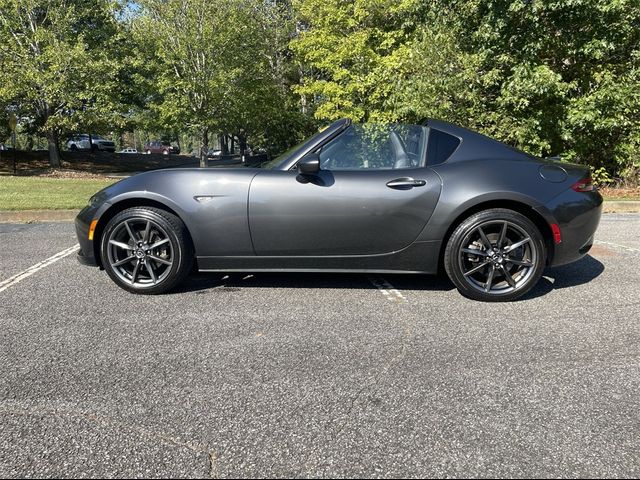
{"x": 353, "y": 198}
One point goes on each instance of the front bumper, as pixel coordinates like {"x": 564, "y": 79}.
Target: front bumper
{"x": 578, "y": 216}
{"x": 86, "y": 254}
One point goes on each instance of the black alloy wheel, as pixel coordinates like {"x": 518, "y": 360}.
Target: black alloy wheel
{"x": 495, "y": 255}
{"x": 146, "y": 250}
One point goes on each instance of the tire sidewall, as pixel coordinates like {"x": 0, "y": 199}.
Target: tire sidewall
{"x": 455, "y": 243}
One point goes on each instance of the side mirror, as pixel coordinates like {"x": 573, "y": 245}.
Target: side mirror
{"x": 309, "y": 164}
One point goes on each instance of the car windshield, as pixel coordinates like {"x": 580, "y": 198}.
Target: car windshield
{"x": 272, "y": 164}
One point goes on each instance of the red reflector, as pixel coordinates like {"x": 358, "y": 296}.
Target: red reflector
{"x": 557, "y": 237}
{"x": 584, "y": 185}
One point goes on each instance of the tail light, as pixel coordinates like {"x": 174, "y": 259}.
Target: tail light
{"x": 584, "y": 185}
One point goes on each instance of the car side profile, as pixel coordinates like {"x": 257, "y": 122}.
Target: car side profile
{"x": 384, "y": 198}
{"x": 90, "y": 142}
{"x": 164, "y": 148}
{"x": 128, "y": 150}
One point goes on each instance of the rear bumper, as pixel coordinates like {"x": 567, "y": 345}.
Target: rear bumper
{"x": 578, "y": 216}
{"x": 86, "y": 254}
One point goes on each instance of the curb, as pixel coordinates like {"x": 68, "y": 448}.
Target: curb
{"x": 31, "y": 216}
{"x": 621, "y": 206}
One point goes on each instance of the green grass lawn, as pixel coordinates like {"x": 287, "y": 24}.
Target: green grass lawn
{"x": 38, "y": 193}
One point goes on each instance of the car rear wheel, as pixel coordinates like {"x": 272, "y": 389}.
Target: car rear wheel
{"x": 146, "y": 250}
{"x": 495, "y": 255}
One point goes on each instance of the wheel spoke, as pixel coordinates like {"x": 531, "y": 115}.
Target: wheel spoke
{"x": 151, "y": 272}
{"x": 158, "y": 243}
{"x": 524, "y": 263}
{"x": 122, "y": 262}
{"x": 145, "y": 236}
{"x": 485, "y": 240}
{"x": 503, "y": 235}
{"x": 517, "y": 244}
{"x": 474, "y": 252}
{"x": 133, "y": 237}
{"x": 475, "y": 269}
{"x": 124, "y": 246}
{"x": 159, "y": 260}
{"x": 134, "y": 275}
{"x": 508, "y": 276}
{"x": 487, "y": 286}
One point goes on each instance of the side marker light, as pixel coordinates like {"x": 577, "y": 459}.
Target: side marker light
{"x": 92, "y": 228}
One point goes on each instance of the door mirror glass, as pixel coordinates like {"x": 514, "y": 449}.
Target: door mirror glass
{"x": 309, "y": 164}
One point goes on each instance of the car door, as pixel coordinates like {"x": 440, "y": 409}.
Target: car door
{"x": 372, "y": 196}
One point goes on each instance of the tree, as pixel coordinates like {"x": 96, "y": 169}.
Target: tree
{"x": 558, "y": 77}
{"x": 60, "y": 65}
{"x": 354, "y": 51}
{"x": 219, "y": 67}
{"x": 197, "y": 49}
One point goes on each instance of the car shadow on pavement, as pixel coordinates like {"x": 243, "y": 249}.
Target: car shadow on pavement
{"x": 578, "y": 273}
{"x": 202, "y": 282}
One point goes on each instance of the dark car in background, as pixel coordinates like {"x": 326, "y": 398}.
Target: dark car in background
{"x": 165, "y": 148}
{"x": 353, "y": 198}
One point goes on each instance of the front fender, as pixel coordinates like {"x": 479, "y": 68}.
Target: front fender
{"x": 211, "y": 203}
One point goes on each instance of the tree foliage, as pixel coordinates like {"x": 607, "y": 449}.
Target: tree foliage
{"x": 62, "y": 65}
{"x": 551, "y": 78}
{"x": 218, "y": 66}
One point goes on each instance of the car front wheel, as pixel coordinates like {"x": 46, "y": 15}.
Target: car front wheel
{"x": 495, "y": 255}
{"x": 146, "y": 250}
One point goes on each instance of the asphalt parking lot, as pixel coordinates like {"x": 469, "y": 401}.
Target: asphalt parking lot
{"x": 317, "y": 375}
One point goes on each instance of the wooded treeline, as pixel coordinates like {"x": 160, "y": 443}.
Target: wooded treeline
{"x": 551, "y": 78}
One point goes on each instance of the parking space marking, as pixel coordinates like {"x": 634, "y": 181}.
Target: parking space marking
{"x": 617, "y": 245}
{"x": 37, "y": 267}
{"x": 389, "y": 291}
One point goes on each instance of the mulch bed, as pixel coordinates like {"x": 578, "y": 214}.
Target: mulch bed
{"x": 631, "y": 193}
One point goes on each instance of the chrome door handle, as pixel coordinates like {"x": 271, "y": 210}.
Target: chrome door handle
{"x": 406, "y": 182}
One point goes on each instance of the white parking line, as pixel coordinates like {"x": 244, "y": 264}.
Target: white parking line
{"x": 617, "y": 245}
{"x": 37, "y": 267}
{"x": 389, "y": 291}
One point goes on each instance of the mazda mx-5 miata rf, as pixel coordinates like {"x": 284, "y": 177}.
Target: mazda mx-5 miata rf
{"x": 353, "y": 198}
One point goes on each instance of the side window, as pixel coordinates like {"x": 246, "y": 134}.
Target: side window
{"x": 440, "y": 147}
{"x": 375, "y": 146}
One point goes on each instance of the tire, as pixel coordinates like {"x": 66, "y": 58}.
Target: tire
{"x": 156, "y": 260}
{"x": 148, "y": 152}
{"x": 165, "y": 152}
{"x": 503, "y": 271}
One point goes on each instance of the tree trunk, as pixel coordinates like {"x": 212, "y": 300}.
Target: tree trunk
{"x": 54, "y": 152}
{"x": 224, "y": 144}
{"x": 242, "y": 143}
{"x": 204, "y": 148}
